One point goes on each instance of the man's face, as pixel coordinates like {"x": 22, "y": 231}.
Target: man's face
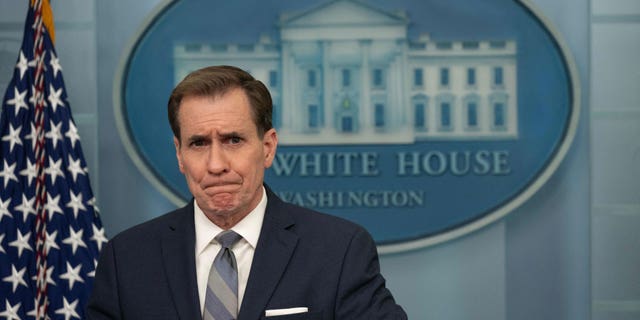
{"x": 221, "y": 155}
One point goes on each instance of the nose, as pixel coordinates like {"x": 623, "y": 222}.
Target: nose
{"x": 217, "y": 162}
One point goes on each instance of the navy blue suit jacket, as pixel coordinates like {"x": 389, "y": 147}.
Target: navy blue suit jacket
{"x": 303, "y": 259}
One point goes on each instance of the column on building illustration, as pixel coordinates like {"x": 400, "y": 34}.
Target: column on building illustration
{"x": 288, "y": 90}
{"x": 367, "y": 114}
{"x": 397, "y": 92}
{"x": 327, "y": 86}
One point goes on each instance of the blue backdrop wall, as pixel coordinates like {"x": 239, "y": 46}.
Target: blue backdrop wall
{"x": 533, "y": 264}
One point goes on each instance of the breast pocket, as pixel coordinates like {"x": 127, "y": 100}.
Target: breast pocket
{"x": 297, "y": 316}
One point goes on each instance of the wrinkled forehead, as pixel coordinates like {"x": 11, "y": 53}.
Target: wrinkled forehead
{"x": 231, "y": 111}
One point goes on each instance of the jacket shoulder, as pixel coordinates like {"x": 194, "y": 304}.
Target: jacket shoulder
{"x": 311, "y": 223}
{"x": 152, "y": 229}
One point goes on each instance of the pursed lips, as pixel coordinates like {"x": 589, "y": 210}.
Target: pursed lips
{"x": 221, "y": 187}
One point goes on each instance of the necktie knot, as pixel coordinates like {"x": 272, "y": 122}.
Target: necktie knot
{"x": 227, "y": 238}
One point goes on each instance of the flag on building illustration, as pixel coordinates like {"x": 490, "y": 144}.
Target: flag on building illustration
{"x": 50, "y": 231}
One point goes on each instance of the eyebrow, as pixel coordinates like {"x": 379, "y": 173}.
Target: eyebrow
{"x": 226, "y": 135}
{"x": 231, "y": 134}
{"x": 196, "y": 137}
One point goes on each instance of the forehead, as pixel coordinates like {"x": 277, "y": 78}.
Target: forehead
{"x": 230, "y": 110}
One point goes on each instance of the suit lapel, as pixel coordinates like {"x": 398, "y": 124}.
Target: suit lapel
{"x": 272, "y": 255}
{"x": 178, "y": 255}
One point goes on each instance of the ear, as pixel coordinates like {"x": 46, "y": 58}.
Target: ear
{"x": 269, "y": 145}
{"x": 176, "y": 143}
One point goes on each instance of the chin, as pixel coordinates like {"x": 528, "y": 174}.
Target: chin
{"x": 222, "y": 206}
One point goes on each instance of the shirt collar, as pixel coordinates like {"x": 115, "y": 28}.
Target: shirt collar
{"x": 249, "y": 227}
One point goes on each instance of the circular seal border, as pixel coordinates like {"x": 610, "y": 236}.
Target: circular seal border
{"x": 122, "y": 124}
{"x": 123, "y": 128}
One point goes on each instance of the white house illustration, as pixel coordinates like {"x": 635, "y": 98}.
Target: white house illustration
{"x": 347, "y": 73}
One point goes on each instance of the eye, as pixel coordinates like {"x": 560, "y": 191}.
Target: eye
{"x": 231, "y": 138}
{"x": 197, "y": 143}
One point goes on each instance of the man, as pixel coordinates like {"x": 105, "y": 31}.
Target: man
{"x": 283, "y": 262}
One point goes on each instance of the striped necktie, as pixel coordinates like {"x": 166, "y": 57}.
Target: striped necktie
{"x": 221, "y": 302}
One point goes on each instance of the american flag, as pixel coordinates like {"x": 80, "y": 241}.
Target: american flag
{"x": 50, "y": 231}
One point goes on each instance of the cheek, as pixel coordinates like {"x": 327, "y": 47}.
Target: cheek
{"x": 192, "y": 171}
{"x": 250, "y": 171}
{"x": 258, "y": 173}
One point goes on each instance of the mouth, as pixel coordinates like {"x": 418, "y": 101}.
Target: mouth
{"x": 217, "y": 188}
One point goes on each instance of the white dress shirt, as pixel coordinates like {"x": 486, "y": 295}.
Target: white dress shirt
{"x": 207, "y": 247}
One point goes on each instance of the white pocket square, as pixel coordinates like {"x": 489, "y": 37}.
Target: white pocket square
{"x": 283, "y": 312}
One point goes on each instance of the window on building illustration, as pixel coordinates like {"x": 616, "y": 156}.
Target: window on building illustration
{"x": 346, "y": 77}
{"x": 471, "y": 76}
{"x": 378, "y": 78}
{"x": 379, "y": 115}
{"x": 347, "y": 124}
{"x": 218, "y": 47}
{"x": 417, "y": 45}
{"x": 498, "y": 76}
{"x": 420, "y": 116}
{"x": 472, "y": 114}
{"x": 467, "y": 45}
{"x": 444, "y": 45}
{"x": 311, "y": 78}
{"x": 445, "y": 115}
{"x": 499, "y": 115}
{"x": 246, "y": 47}
{"x": 273, "y": 78}
{"x": 497, "y": 44}
{"x": 314, "y": 116}
{"x": 192, "y": 47}
{"x": 270, "y": 47}
{"x": 444, "y": 77}
{"x": 418, "y": 75}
